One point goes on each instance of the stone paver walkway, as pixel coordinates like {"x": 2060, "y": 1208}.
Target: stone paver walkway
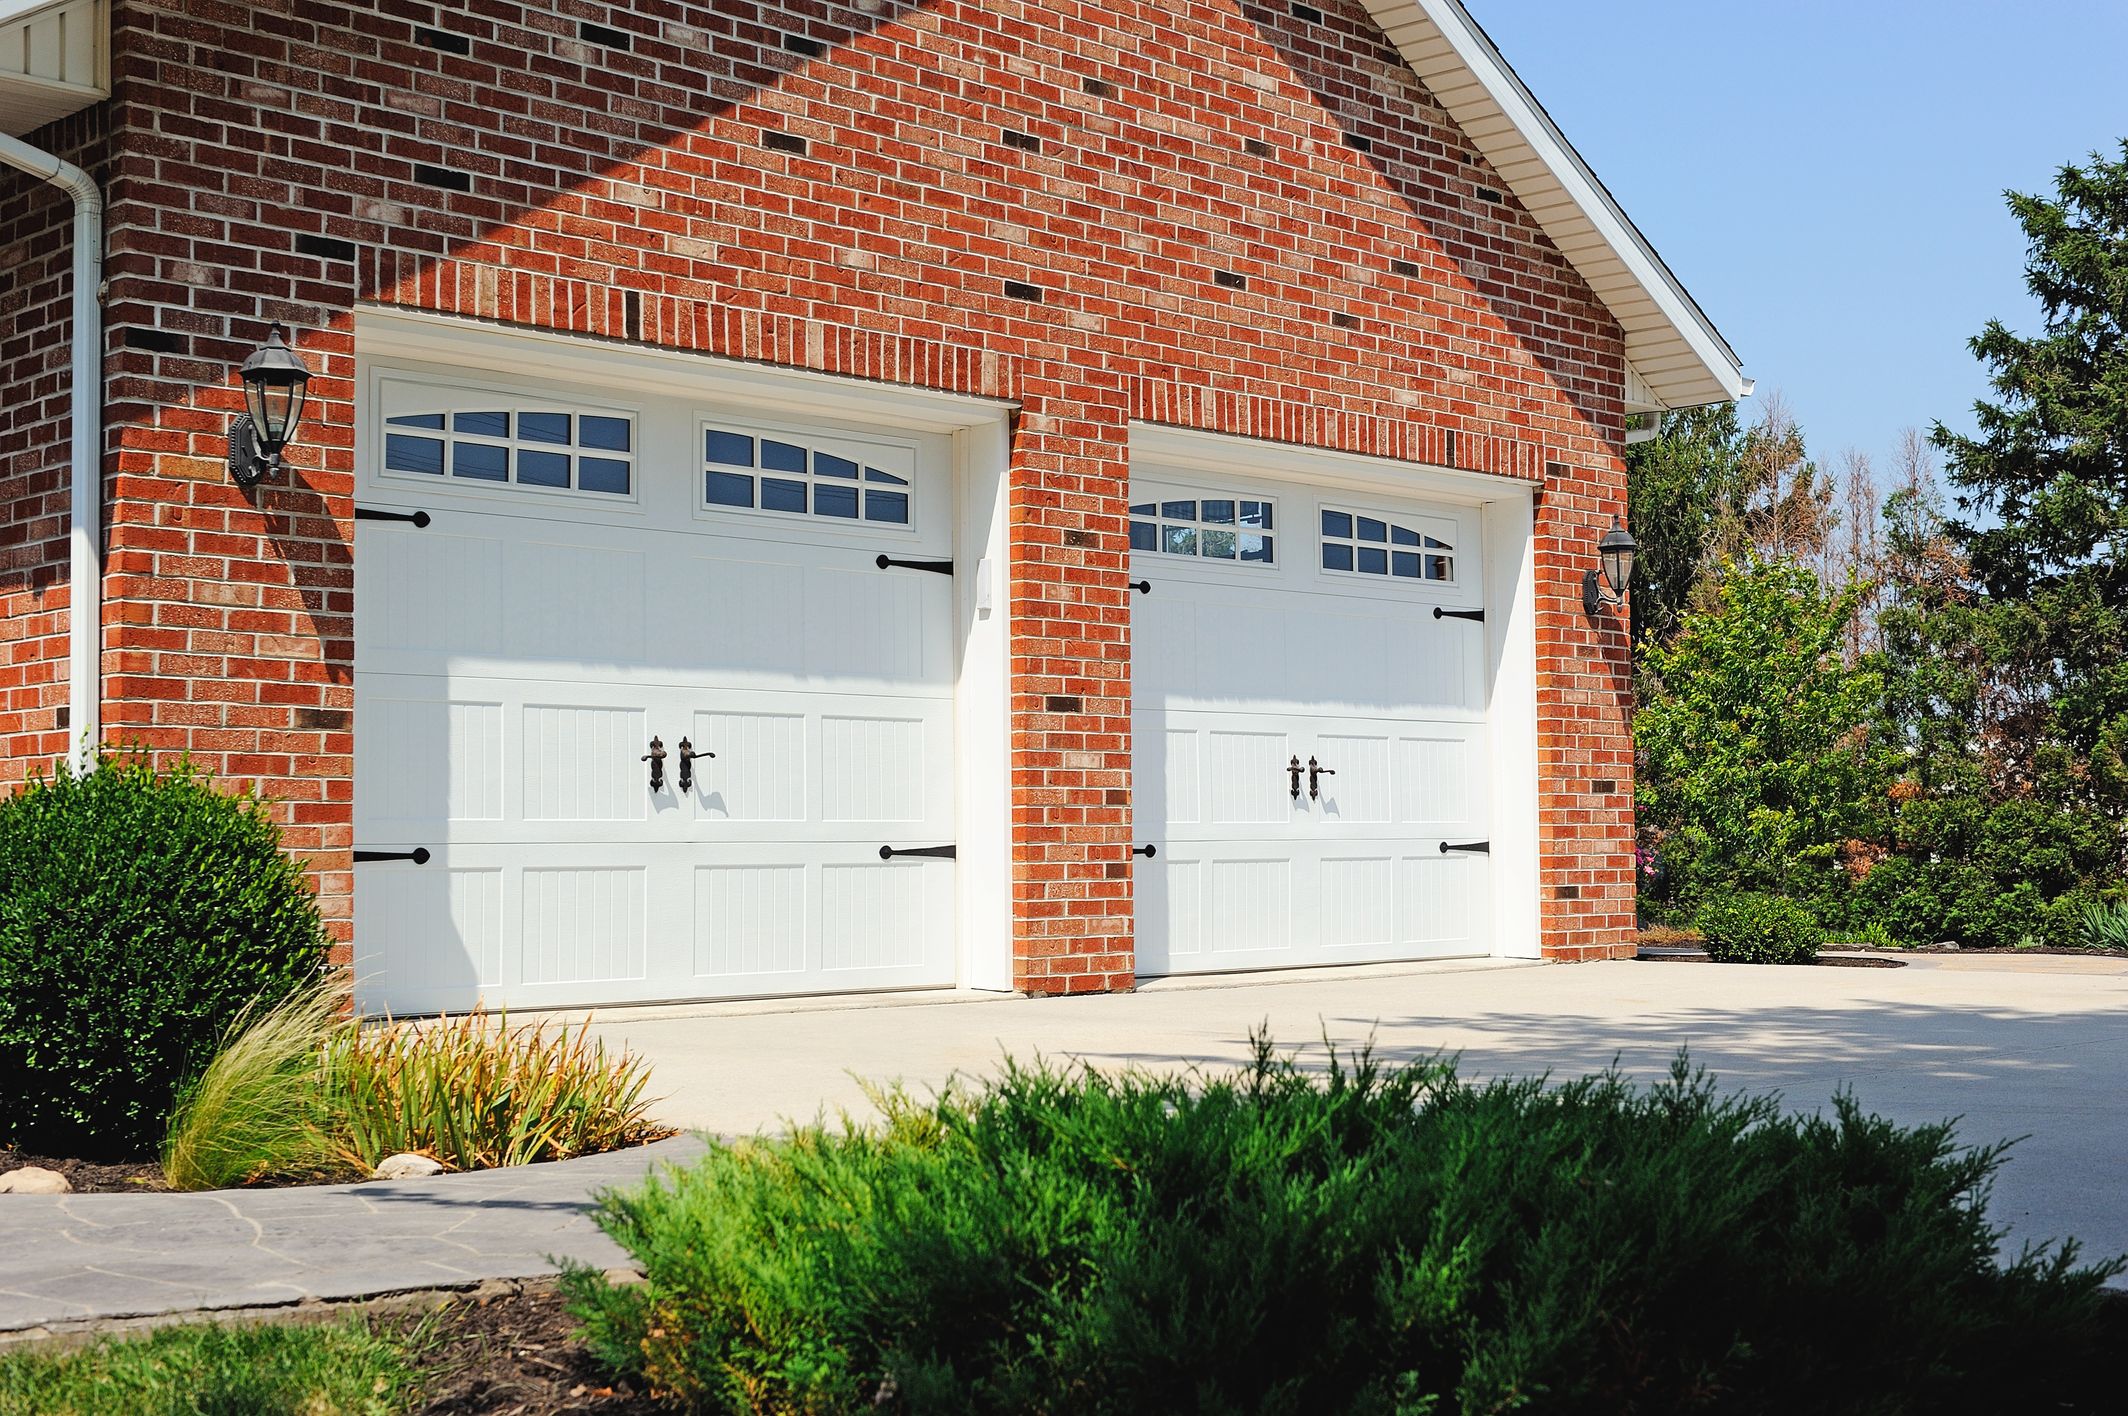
{"x": 67, "y": 1258}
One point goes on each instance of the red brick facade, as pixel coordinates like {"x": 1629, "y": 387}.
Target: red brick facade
{"x": 1192, "y": 212}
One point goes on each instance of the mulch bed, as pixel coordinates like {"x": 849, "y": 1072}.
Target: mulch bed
{"x": 88, "y": 1177}
{"x": 1671, "y": 955}
{"x": 513, "y": 1355}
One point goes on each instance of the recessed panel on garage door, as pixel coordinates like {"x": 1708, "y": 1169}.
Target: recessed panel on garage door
{"x": 601, "y": 580}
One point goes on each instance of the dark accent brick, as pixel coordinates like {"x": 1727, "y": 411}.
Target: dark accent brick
{"x": 442, "y": 177}
{"x": 1359, "y": 143}
{"x": 1487, "y": 194}
{"x": 799, "y": 44}
{"x": 1554, "y": 469}
{"x": 1345, "y": 319}
{"x": 1025, "y": 142}
{"x": 1307, "y": 14}
{"x": 605, "y": 35}
{"x": 1408, "y": 269}
{"x": 1603, "y": 786}
{"x": 1449, "y": 449}
{"x": 329, "y": 720}
{"x": 1231, "y": 279}
{"x": 442, "y": 41}
{"x": 782, "y": 142}
{"x": 326, "y": 248}
{"x": 1021, "y": 290}
{"x": 1080, "y": 538}
{"x": 160, "y": 341}
{"x": 1099, "y": 88}
{"x": 632, "y": 314}
{"x": 1064, "y": 703}
{"x": 1569, "y": 892}
{"x": 1256, "y": 147}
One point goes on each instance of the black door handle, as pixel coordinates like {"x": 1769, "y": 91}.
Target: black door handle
{"x": 935, "y": 852}
{"x": 419, "y": 855}
{"x": 1293, "y": 767}
{"x": 1147, "y": 851}
{"x": 687, "y": 766}
{"x": 1143, "y": 587}
{"x": 935, "y": 567}
{"x": 1315, "y": 770}
{"x": 656, "y": 758}
{"x": 1474, "y": 847}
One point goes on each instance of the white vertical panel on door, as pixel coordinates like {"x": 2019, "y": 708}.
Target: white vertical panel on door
{"x": 1242, "y": 669}
{"x": 515, "y": 656}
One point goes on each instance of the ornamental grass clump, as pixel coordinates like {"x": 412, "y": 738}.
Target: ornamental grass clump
{"x": 259, "y": 1111}
{"x": 303, "y": 1090}
{"x": 1360, "y": 1239}
{"x": 474, "y": 1092}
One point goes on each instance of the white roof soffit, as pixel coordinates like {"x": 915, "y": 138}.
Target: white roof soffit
{"x": 1678, "y": 355}
{"x": 54, "y": 60}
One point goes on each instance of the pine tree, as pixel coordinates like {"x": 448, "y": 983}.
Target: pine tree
{"x": 2043, "y": 503}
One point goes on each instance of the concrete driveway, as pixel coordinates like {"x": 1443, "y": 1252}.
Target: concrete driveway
{"x": 2031, "y": 1047}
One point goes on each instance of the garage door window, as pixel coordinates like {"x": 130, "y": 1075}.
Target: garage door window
{"x": 529, "y": 447}
{"x": 1209, "y": 528}
{"x": 771, "y": 474}
{"x": 1370, "y": 545}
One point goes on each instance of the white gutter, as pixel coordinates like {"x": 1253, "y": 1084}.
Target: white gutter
{"x": 85, "y": 533}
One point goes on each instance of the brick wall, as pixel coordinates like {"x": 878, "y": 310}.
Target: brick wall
{"x": 36, "y": 443}
{"x": 1185, "y": 211}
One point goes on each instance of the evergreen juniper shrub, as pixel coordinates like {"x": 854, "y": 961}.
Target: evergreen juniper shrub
{"x": 1367, "y": 1239}
{"x": 140, "y": 912}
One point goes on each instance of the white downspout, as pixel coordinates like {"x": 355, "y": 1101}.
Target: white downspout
{"x": 85, "y": 534}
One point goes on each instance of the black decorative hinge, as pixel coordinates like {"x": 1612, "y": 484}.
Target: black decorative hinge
{"x": 935, "y": 567}
{"x": 1474, "y": 847}
{"x": 419, "y": 855}
{"x": 1439, "y": 613}
{"x": 935, "y": 852}
{"x": 418, "y": 519}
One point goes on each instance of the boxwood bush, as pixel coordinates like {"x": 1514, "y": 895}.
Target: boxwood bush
{"x": 1750, "y": 928}
{"x": 1367, "y": 1240}
{"x": 140, "y": 911}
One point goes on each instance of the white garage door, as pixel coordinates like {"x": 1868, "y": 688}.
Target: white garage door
{"x": 586, "y": 576}
{"x": 1309, "y": 725}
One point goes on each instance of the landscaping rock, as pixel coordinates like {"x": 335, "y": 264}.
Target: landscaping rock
{"x": 406, "y": 1166}
{"x": 34, "y": 1180}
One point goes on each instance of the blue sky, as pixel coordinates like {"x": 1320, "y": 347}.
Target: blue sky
{"x": 1826, "y": 178}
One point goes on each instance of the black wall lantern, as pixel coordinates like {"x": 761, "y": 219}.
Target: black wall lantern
{"x": 274, "y": 381}
{"x": 1615, "y": 554}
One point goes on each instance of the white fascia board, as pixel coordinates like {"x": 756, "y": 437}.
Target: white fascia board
{"x": 1530, "y": 128}
{"x": 54, "y": 61}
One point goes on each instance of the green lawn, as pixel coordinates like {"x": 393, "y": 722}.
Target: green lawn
{"x": 212, "y": 1369}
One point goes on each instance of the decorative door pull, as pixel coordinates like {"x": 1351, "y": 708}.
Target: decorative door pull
{"x": 1293, "y": 768}
{"x": 935, "y": 852}
{"x": 656, "y": 758}
{"x": 935, "y": 567}
{"x": 1143, "y": 587}
{"x": 1439, "y": 613}
{"x": 687, "y": 766}
{"x": 1147, "y": 851}
{"x": 419, "y": 855}
{"x": 1315, "y": 770}
{"x": 1474, "y": 847}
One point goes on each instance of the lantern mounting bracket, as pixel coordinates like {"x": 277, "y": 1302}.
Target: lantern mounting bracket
{"x": 247, "y": 465}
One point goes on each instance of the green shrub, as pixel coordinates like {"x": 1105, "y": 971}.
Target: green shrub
{"x": 140, "y": 913}
{"x": 1750, "y": 928}
{"x": 215, "y": 1369}
{"x": 1370, "y": 1240}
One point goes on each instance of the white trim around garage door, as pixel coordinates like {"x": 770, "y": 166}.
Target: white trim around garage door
{"x": 981, "y": 435}
{"x": 1507, "y": 516}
